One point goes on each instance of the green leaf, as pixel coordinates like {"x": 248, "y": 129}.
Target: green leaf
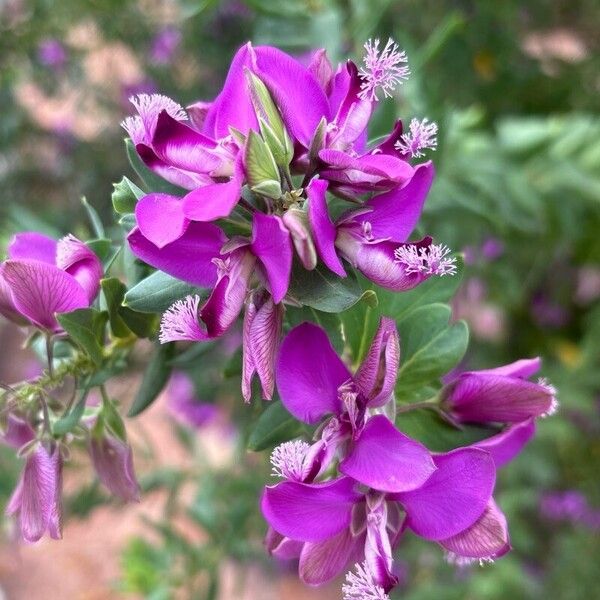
{"x": 69, "y": 421}
{"x": 439, "y": 436}
{"x": 124, "y": 320}
{"x": 259, "y": 161}
{"x": 155, "y": 378}
{"x": 269, "y": 188}
{"x": 324, "y": 290}
{"x": 102, "y": 248}
{"x": 94, "y": 218}
{"x": 430, "y": 347}
{"x": 125, "y": 196}
{"x": 275, "y": 425}
{"x": 86, "y": 327}
{"x": 157, "y": 292}
{"x": 151, "y": 180}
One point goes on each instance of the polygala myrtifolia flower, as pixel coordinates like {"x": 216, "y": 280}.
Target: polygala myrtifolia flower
{"x": 42, "y": 277}
{"x": 500, "y": 395}
{"x": 387, "y": 483}
{"x": 276, "y": 118}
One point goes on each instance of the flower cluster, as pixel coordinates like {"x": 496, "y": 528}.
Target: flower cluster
{"x": 350, "y": 495}
{"x": 256, "y": 166}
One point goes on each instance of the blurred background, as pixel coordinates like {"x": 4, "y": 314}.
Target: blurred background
{"x": 514, "y": 87}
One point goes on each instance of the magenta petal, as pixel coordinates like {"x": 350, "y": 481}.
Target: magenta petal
{"x": 387, "y": 460}
{"x": 39, "y": 494}
{"x": 310, "y": 512}
{"x": 506, "y": 445}
{"x": 181, "y": 146}
{"x": 377, "y": 261}
{"x": 376, "y": 376}
{"x": 323, "y": 230}
{"x": 113, "y": 462}
{"x": 215, "y": 200}
{"x": 233, "y": 106}
{"x": 179, "y": 177}
{"x": 272, "y": 245}
{"x": 297, "y": 93}
{"x": 160, "y": 218}
{"x": 309, "y": 373}
{"x": 281, "y": 546}
{"x": 484, "y": 397}
{"x": 455, "y": 495}
{"x": 321, "y": 562}
{"x": 7, "y": 305}
{"x": 40, "y": 290}
{"x": 78, "y": 260}
{"x": 190, "y": 258}
{"x": 17, "y": 433}
{"x": 396, "y": 213}
{"x": 261, "y": 333}
{"x": 487, "y": 538}
{"x": 523, "y": 369}
{"x": 31, "y": 245}
{"x": 320, "y": 68}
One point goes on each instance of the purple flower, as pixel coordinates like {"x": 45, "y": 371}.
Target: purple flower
{"x": 42, "y": 277}
{"x": 203, "y": 256}
{"x": 52, "y": 53}
{"x": 334, "y": 524}
{"x": 184, "y": 405}
{"x": 164, "y": 45}
{"x": 113, "y": 461}
{"x": 501, "y": 395}
{"x": 313, "y": 383}
{"x": 373, "y": 238}
{"x": 36, "y": 501}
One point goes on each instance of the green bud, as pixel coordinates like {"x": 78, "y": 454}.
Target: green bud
{"x": 269, "y": 188}
{"x": 125, "y": 196}
{"x": 260, "y": 164}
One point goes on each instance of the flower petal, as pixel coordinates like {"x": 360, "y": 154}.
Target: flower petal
{"x": 160, "y": 218}
{"x": 323, "y": 230}
{"x": 297, "y": 93}
{"x": 80, "y": 261}
{"x": 505, "y": 445}
{"x": 376, "y": 376}
{"x": 40, "y": 290}
{"x": 309, "y": 373}
{"x": 215, "y": 200}
{"x": 523, "y": 369}
{"x": 487, "y": 538}
{"x": 182, "y": 147}
{"x": 190, "y": 258}
{"x": 233, "y": 106}
{"x": 481, "y": 398}
{"x": 31, "y": 245}
{"x": 310, "y": 512}
{"x": 454, "y": 497}
{"x": 387, "y": 460}
{"x": 272, "y": 245}
{"x": 396, "y": 213}
{"x": 281, "y": 546}
{"x": 321, "y": 562}
{"x": 377, "y": 261}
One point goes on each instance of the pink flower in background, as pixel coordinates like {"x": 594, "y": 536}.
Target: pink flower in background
{"x": 164, "y": 45}
{"x": 52, "y": 53}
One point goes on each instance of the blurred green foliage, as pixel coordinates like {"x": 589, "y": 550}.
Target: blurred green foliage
{"x": 513, "y": 87}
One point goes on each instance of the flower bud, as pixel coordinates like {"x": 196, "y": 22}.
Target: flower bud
{"x": 113, "y": 461}
{"x": 296, "y": 222}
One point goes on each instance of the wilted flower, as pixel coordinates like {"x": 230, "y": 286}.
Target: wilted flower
{"x": 36, "y": 501}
